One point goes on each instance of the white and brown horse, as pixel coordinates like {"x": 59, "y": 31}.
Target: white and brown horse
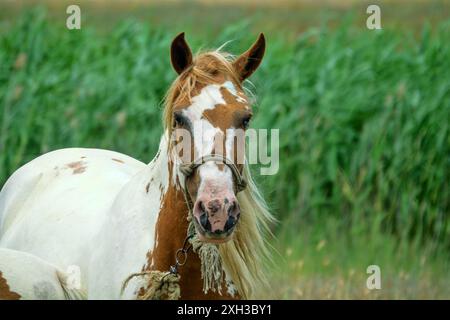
{"x": 113, "y": 216}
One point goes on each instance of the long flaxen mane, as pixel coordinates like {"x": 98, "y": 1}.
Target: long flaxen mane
{"x": 244, "y": 257}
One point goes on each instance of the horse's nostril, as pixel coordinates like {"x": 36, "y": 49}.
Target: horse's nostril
{"x": 202, "y": 207}
{"x": 205, "y": 222}
{"x": 231, "y": 208}
{"x": 230, "y": 223}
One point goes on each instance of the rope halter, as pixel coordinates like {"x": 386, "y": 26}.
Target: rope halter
{"x": 187, "y": 169}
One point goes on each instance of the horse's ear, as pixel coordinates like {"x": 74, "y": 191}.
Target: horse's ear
{"x": 250, "y": 60}
{"x": 180, "y": 53}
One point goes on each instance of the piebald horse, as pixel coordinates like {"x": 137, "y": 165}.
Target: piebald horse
{"x": 117, "y": 219}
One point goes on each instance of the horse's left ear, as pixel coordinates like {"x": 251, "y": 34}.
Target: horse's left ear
{"x": 250, "y": 60}
{"x": 180, "y": 54}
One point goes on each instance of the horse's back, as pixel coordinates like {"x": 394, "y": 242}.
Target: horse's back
{"x": 54, "y": 205}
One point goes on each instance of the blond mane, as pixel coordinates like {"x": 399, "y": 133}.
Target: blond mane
{"x": 245, "y": 256}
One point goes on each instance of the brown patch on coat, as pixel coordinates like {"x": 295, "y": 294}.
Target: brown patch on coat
{"x": 192, "y": 183}
{"x": 117, "y": 160}
{"x": 231, "y": 99}
{"x": 161, "y": 193}
{"x": 223, "y": 116}
{"x": 226, "y": 116}
{"x": 5, "y": 292}
{"x": 171, "y": 230}
{"x": 147, "y": 187}
{"x": 78, "y": 167}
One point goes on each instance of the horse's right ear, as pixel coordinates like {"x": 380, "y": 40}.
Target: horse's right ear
{"x": 250, "y": 60}
{"x": 180, "y": 54}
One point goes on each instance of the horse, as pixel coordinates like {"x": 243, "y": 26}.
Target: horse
{"x": 169, "y": 229}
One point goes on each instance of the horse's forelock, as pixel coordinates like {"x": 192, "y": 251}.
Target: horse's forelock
{"x": 202, "y": 72}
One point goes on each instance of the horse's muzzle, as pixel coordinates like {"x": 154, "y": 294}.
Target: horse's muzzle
{"x": 216, "y": 219}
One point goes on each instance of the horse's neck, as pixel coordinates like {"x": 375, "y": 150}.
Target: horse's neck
{"x": 170, "y": 234}
{"x": 127, "y": 234}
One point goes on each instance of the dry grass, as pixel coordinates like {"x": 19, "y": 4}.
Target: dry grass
{"x": 353, "y": 286}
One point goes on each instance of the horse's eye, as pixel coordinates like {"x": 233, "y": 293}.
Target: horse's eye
{"x": 178, "y": 120}
{"x": 246, "y": 122}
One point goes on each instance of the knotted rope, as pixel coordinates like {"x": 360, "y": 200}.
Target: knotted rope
{"x": 166, "y": 285}
{"x": 211, "y": 262}
{"x": 161, "y": 285}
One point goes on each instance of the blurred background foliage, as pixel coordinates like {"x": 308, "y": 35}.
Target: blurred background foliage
{"x": 363, "y": 117}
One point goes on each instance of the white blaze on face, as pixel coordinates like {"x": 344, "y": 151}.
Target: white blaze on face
{"x": 214, "y": 180}
{"x": 229, "y": 143}
{"x": 208, "y": 98}
{"x": 204, "y": 136}
{"x": 204, "y": 133}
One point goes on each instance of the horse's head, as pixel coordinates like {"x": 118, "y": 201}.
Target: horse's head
{"x": 209, "y": 113}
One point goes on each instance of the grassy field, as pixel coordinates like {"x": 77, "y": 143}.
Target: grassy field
{"x": 363, "y": 118}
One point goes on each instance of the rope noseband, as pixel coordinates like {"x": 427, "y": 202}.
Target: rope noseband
{"x": 188, "y": 168}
